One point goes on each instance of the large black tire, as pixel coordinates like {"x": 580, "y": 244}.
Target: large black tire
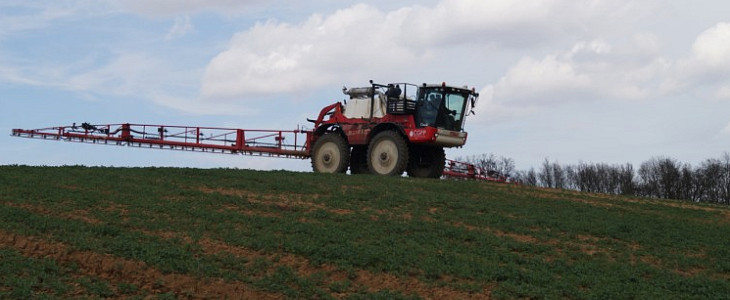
{"x": 330, "y": 154}
{"x": 426, "y": 162}
{"x": 387, "y": 154}
{"x": 359, "y": 160}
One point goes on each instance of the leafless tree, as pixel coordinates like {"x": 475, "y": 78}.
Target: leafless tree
{"x": 546, "y": 174}
{"x": 500, "y": 165}
{"x": 559, "y": 178}
{"x": 658, "y": 177}
{"x": 530, "y": 177}
{"x": 627, "y": 183}
{"x": 661, "y": 178}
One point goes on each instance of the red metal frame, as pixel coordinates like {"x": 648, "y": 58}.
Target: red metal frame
{"x": 358, "y": 131}
{"x": 280, "y": 143}
{"x": 457, "y": 169}
{"x": 259, "y": 142}
{"x": 274, "y": 143}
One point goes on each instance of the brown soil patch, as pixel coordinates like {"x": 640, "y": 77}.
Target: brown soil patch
{"x": 362, "y": 279}
{"x": 607, "y": 200}
{"x": 249, "y": 195}
{"x": 121, "y": 209}
{"x": 377, "y": 214}
{"x": 586, "y": 244}
{"x": 121, "y": 270}
{"x": 249, "y": 212}
{"x": 168, "y": 235}
{"x": 544, "y": 193}
{"x": 725, "y": 212}
{"x": 70, "y": 187}
{"x": 411, "y": 285}
{"x": 346, "y": 188}
{"x": 282, "y": 201}
{"x": 81, "y": 215}
{"x": 515, "y": 236}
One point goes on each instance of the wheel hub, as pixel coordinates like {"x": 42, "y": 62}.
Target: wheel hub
{"x": 385, "y": 156}
{"x": 327, "y": 158}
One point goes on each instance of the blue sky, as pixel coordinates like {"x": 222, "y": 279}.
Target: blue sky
{"x": 597, "y": 81}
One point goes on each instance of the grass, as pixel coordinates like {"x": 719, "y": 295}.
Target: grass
{"x": 301, "y": 235}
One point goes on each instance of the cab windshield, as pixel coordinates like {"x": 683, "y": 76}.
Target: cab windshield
{"x": 441, "y": 107}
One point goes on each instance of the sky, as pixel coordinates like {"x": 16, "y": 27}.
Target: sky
{"x": 602, "y": 81}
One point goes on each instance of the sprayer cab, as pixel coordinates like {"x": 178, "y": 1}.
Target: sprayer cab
{"x": 443, "y": 106}
{"x": 432, "y": 105}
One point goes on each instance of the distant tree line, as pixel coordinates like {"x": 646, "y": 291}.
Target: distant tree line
{"x": 658, "y": 177}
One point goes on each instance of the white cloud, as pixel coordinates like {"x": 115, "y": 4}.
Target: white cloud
{"x": 489, "y": 111}
{"x": 598, "y": 47}
{"x": 707, "y": 66}
{"x": 459, "y": 21}
{"x": 195, "y": 106}
{"x": 12, "y": 75}
{"x": 588, "y": 71}
{"x": 127, "y": 73}
{"x": 647, "y": 44}
{"x": 142, "y": 75}
{"x": 364, "y": 42}
{"x": 276, "y": 57}
{"x": 171, "y": 7}
{"x": 712, "y": 47}
{"x": 20, "y": 16}
{"x": 602, "y": 71}
{"x": 517, "y": 23}
{"x": 726, "y": 130}
{"x": 541, "y": 80}
{"x": 180, "y": 28}
{"x": 723, "y": 93}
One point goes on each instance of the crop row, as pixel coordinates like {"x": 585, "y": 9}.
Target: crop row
{"x": 467, "y": 238}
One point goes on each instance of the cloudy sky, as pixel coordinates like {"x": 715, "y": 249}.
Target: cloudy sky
{"x": 610, "y": 81}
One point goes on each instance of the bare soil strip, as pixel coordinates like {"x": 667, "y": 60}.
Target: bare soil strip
{"x": 606, "y": 200}
{"x": 74, "y": 215}
{"x": 283, "y": 201}
{"x": 138, "y": 273}
{"x": 361, "y": 279}
{"x": 118, "y": 270}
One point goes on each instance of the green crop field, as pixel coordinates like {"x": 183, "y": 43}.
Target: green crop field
{"x": 78, "y": 232}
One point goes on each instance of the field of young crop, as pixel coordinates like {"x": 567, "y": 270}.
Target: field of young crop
{"x": 68, "y": 232}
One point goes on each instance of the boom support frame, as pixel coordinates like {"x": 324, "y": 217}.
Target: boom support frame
{"x": 258, "y": 142}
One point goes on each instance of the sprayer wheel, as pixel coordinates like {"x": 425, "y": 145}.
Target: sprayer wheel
{"x": 330, "y": 154}
{"x": 426, "y": 162}
{"x": 387, "y": 154}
